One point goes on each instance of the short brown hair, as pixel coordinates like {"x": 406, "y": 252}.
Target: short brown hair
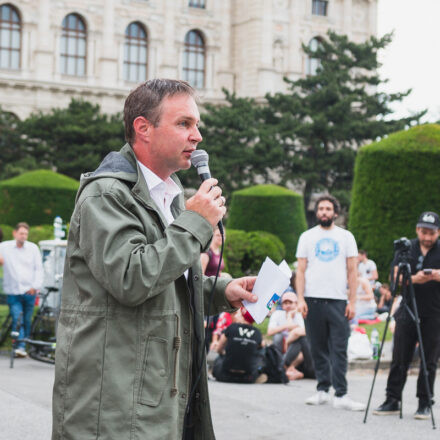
{"x": 21, "y": 225}
{"x": 333, "y": 200}
{"x": 146, "y": 101}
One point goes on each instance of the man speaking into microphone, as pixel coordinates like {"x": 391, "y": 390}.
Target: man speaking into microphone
{"x": 130, "y": 341}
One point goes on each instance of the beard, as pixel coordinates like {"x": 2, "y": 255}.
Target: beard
{"x": 325, "y": 222}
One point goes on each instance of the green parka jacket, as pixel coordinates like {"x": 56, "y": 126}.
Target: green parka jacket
{"x": 126, "y": 329}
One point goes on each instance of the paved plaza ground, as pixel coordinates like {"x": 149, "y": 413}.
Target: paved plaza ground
{"x": 240, "y": 412}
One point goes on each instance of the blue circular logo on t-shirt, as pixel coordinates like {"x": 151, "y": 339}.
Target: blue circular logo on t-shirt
{"x": 327, "y": 249}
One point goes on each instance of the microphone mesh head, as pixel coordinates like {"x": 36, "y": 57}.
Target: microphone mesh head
{"x": 199, "y": 157}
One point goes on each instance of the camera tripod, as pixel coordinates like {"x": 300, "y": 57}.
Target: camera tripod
{"x": 409, "y": 302}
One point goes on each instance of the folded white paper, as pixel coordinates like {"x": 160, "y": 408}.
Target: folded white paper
{"x": 271, "y": 282}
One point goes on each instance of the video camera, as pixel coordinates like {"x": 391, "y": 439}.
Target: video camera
{"x": 402, "y": 247}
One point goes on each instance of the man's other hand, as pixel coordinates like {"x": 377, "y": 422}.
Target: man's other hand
{"x": 350, "y": 311}
{"x": 208, "y": 202}
{"x": 302, "y": 307}
{"x": 240, "y": 289}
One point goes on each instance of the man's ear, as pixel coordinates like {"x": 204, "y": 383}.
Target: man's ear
{"x": 141, "y": 127}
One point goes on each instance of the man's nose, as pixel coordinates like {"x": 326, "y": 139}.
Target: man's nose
{"x": 196, "y": 135}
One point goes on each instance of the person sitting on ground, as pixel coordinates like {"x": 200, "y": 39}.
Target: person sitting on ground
{"x": 385, "y": 299}
{"x": 365, "y": 303}
{"x": 289, "y": 336}
{"x": 240, "y": 359}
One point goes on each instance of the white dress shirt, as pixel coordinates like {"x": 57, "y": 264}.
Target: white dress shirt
{"x": 162, "y": 192}
{"x": 22, "y": 267}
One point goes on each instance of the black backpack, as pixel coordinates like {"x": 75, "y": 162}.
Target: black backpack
{"x": 273, "y": 365}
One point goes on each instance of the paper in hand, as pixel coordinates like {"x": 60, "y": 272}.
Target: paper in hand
{"x": 271, "y": 282}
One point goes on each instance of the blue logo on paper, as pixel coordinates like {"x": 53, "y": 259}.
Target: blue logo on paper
{"x": 272, "y": 301}
{"x": 327, "y": 249}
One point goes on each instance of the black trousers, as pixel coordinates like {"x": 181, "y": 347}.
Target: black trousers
{"x": 405, "y": 339}
{"x": 328, "y": 331}
{"x": 223, "y": 375}
{"x": 301, "y": 345}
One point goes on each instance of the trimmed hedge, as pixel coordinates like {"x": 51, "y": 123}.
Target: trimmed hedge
{"x": 270, "y": 208}
{"x": 36, "y": 233}
{"x": 245, "y": 251}
{"x": 395, "y": 180}
{"x": 37, "y": 197}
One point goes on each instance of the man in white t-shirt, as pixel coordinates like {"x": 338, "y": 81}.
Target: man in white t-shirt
{"x": 327, "y": 261}
{"x": 367, "y": 268}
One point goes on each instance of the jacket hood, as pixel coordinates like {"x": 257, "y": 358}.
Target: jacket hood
{"x": 118, "y": 165}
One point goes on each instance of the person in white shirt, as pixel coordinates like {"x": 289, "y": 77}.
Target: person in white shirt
{"x": 367, "y": 268}
{"x": 289, "y": 336}
{"x": 22, "y": 279}
{"x": 327, "y": 260}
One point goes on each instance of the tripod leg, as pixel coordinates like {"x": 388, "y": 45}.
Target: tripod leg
{"x": 376, "y": 368}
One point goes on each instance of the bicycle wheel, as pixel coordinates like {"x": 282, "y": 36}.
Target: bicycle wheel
{"x": 5, "y": 329}
{"x": 42, "y": 354}
{"x": 43, "y": 326}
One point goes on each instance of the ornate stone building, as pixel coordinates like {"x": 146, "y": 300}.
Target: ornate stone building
{"x": 51, "y": 50}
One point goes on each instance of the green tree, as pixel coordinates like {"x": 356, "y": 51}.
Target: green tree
{"x": 72, "y": 140}
{"x": 12, "y": 156}
{"x": 233, "y": 135}
{"x": 325, "y": 117}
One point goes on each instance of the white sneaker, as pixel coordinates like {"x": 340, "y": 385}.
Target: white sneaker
{"x": 19, "y": 352}
{"x": 345, "y": 402}
{"x": 320, "y": 398}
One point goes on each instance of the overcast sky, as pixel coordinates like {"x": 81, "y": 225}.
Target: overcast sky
{"x": 412, "y": 60}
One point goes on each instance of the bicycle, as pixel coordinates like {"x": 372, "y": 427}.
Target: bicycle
{"x": 42, "y": 341}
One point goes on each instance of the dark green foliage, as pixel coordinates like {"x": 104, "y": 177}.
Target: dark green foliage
{"x": 245, "y": 252}
{"x": 36, "y": 233}
{"x": 37, "y": 197}
{"x": 72, "y": 140}
{"x": 233, "y": 137}
{"x": 325, "y": 117}
{"x": 7, "y": 232}
{"x": 269, "y": 208}
{"x": 395, "y": 181}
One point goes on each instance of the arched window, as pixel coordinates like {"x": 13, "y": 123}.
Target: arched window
{"x": 194, "y": 59}
{"x": 197, "y": 3}
{"x": 73, "y": 46}
{"x": 10, "y": 38}
{"x": 135, "y": 53}
{"x": 313, "y": 63}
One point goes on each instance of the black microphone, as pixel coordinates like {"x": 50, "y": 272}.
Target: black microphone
{"x": 199, "y": 160}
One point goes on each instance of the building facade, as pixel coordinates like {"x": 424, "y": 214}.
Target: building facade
{"x": 98, "y": 50}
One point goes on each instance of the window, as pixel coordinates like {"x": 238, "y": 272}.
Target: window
{"x": 10, "y": 38}
{"x": 313, "y": 63}
{"x": 194, "y": 59}
{"x": 197, "y": 3}
{"x": 135, "y": 53}
{"x": 319, "y": 7}
{"x": 73, "y": 46}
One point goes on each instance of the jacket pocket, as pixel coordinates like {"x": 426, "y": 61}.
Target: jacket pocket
{"x": 155, "y": 371}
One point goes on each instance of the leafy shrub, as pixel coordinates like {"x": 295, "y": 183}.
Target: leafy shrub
{"x": 270, "y": 208}
{"x": 7, "y": 232}
{"x": 245, "y": 252}
{"x": 36, "y": 233}
{"x": 37, "y": 197}
{"x": 395, "y": 180}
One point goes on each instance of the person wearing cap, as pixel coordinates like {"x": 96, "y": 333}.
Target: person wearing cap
{"x": 289, "y": 336}
{"x": 425, "y": 276}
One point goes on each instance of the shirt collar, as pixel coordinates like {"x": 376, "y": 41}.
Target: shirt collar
{"x": 154, "y": 181}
